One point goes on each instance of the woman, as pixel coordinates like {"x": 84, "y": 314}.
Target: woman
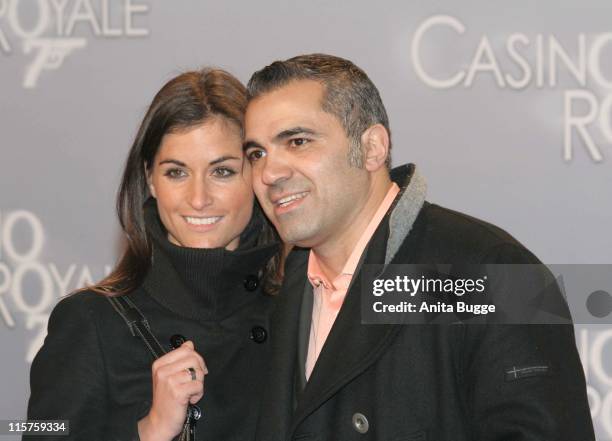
{"x": 200, "y": 261}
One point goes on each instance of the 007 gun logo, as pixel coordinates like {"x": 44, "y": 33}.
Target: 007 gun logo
{"x": 51, "y": 30}
{"x": 50, "y": 56}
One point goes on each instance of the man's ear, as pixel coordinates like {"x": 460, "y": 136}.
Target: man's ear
{"x": 147, "y": 173}
{"x": 375, "y": 143}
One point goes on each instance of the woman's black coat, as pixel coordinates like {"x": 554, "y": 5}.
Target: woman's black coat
{"x": 94, "y": 373}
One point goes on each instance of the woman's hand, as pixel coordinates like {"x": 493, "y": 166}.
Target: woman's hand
{"x": 173, "y": 390}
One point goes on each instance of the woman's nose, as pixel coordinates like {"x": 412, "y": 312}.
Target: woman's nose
{"x": 199, "y": 197}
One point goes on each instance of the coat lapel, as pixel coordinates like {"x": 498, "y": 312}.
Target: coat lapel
{"x": 351, "y": 347}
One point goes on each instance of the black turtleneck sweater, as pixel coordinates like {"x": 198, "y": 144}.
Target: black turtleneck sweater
{"x": 203, "y": 283}
{"x": 93, "y": 372}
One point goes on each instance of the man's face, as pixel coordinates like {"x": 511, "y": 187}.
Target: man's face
{"x": 299, "y": 157}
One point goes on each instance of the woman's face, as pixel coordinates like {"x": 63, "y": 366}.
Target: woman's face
{"x": 202, "y": 184}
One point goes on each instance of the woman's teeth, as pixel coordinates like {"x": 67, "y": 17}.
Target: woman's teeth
{"x": 202, "y": 220}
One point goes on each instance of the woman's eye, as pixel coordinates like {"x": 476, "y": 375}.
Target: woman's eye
{"x": 175, "y": 173}
{"x": 254, "y": 155}
{"x": 223, "y": 172}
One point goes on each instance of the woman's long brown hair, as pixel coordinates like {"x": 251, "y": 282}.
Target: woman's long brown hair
{"x": 187, "y": 100}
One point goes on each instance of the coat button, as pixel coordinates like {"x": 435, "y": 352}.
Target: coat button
{"x": 251, "y": 282}
{"x": 258, "y": 334}
{"x": 177, "y": 340}
{"x": 360, "y": 423}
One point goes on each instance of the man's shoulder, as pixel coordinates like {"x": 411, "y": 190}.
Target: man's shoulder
{"x": 448, "y": 234}
{"x": 448, "y": 221}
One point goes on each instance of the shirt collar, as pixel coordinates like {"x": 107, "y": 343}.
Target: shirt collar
{"x": 316, "y": 275}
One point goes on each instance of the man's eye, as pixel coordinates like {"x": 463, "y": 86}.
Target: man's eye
{"x": 254, "y": 155}
{"x": 223, "y": 172}
{"x": 175, "y": 173}
{"x": 297, "y": 142}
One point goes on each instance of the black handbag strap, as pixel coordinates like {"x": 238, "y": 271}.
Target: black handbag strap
{"x": 137, "y": 323}
{"x": 139, "y": 327}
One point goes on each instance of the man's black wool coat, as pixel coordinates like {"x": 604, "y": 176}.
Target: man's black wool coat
{"x": 423, "y": 382}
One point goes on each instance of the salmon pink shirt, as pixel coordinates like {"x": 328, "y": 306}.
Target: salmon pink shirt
{"x": 329, "y": 295}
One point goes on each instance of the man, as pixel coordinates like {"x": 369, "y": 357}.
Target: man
{"x": 318, "y": 139}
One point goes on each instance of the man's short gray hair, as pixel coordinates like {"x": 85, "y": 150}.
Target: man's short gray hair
{"x": 349, "y": 94}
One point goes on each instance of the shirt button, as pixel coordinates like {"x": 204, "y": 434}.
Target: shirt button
{"x": 360, "y": 423}
{"x": 251, "y": 282}
{"x": 258, "y": 334}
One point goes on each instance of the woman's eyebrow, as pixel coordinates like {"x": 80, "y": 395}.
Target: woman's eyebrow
{"x": 173, "y": 161}
{"x": 223, "y": 158}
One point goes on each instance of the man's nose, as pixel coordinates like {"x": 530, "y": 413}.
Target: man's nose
{"x": 199, "y": 194}
{"x": 276, "y": 169}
